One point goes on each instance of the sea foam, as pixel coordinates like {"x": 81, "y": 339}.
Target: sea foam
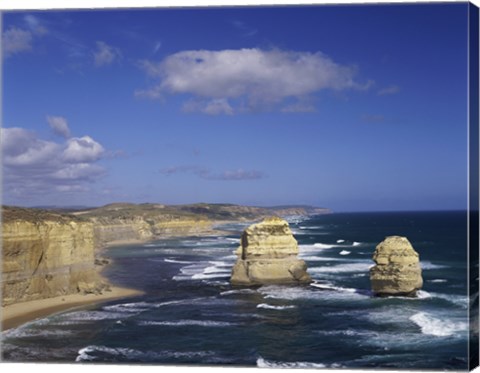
{"x": 436, "y": 327}
{"x": 262, "y": 363}
{"x": 272, "y": 307}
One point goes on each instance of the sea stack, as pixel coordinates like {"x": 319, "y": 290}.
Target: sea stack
{"x": 268, "y": 255}
{"x": 397, "y": 270}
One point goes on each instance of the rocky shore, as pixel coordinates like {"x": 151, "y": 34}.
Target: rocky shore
{"x": 51, "y": 259}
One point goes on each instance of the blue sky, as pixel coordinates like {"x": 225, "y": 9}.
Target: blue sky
{"x": 355, "y": 108}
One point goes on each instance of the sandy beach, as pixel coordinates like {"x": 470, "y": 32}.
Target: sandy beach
{"x": 19, "y": 313}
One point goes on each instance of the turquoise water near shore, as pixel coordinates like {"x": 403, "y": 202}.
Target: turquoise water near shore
{"x": 190, "y": 314}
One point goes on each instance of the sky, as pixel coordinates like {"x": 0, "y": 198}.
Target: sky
{"x": 350, "y": 107}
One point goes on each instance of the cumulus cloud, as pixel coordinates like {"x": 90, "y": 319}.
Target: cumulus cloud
{"x": 207, "y": 174}
{"x": 33, "y": 166}
{"x": 59, "y": 126}
{"x": 105, "y": 54}
{"x": 390, "y": 90}
{"x": 83, "y": 149}
{"x": 16, "y": 40}
{"x": 247, "y": 78}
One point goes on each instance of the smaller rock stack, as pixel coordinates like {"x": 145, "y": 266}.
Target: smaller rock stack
{"x": 397, "y": 270}
{"x": 268, "y": 255}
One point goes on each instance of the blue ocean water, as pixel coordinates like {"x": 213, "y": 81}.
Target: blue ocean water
{"x": 190, "y": 314}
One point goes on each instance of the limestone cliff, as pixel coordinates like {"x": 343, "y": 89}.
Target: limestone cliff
{"x": 124, "y": 222}
{"x": 397, "y": 270}
{"x": 46, "y": 254}
{"x": 268, "y": 254}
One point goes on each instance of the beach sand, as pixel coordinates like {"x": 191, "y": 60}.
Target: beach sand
{"x": 19, "y": 313}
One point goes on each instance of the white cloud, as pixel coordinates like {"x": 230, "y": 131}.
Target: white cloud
{"x": 37, "y": 167}
{"x": 78, "y": 171}
{"x": 252, "y": 78}
{"x": 16, "y": 40}
{"x": 83, "y": 149}
{"x": 105, "y": 54}
{"x": 22, "y": 148}
{"x": 390, "y": 90}
{"x": 59, "y": 126}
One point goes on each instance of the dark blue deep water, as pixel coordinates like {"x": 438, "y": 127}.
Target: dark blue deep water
{"x": 191, "y": 315}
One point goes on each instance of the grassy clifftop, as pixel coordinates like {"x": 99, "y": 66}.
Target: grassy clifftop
{"x": 198, "y": 211}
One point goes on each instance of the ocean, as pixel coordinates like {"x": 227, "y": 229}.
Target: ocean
{"x": 191, "y": 315}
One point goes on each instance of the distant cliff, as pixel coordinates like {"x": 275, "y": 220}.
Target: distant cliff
{"x": 46, "y": 254}
{"x": 124, "y": 222}
{"x": 127, "y": 222}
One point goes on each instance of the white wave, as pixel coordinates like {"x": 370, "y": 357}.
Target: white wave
{"x": 218, "y": 267}
{"x": 323, "y": 245}
{"x": 438, "y": 280}
{"x": 425, "y": 264}
{"x": 314, "y": 258}
{"x": 193, "y": 269}
{"x": 436, "y": 327}
{"x": 87, "y": 353}
{"x": 340, "y": 241}
{"x": 360, "y": 266}
{"x": 176, "y": 261}
{"x": 328, "y": 286}
{"x": 262, "y": 363}
{"x": 239, "y": 291}
{"x": 345, "y": 252}
{"x": 458, "y": 300}
{"x": 356, "y": 243}
{"x": 187, "y": 323}
{"x": 135, "y": 307}
{"x": 79, "y": 316}
{"x": 420, "y": 294}
{"x": 26, "y": 331}
{"x": 235, "y": 240}
{"x": 272, "y": 307}
{"x": 296, "y": 292}
{"x": 151, "y": 245}
{"x": 203, "y": 276}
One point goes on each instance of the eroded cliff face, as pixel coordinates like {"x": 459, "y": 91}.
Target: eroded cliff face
{"x": 397, "y": 270}
{"x": 46, "y": 255}
{"x": 268, "y": 254}
{"x": 111, "y": 231}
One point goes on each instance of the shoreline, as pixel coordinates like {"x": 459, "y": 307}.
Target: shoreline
{"x": 17, "y": 314}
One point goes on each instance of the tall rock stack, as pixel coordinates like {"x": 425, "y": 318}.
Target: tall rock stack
{"x": 397, "y": 270}
{"x": 268, "y": 255}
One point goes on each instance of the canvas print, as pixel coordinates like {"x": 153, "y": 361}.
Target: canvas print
{"x": 255, "y": 186}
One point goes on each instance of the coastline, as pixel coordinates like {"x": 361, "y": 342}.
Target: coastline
{"x": 18, "y": 314}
